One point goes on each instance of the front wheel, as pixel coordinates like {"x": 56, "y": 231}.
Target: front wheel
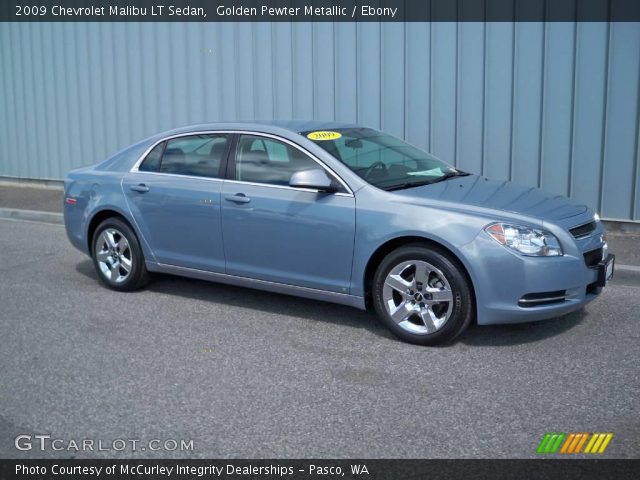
{"x": 117, "y": 256}
{"x": 422, "y": 295}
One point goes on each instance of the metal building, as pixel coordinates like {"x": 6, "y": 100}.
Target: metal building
{"x": 546, "y": 104}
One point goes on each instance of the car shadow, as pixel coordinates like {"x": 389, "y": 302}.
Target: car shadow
{"x": 520, "y": 333}
{"x": 275, "y": 303}
{"x": 267, "y": 302}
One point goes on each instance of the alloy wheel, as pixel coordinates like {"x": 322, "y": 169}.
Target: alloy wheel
{"x": 418, "y": 297}
{"x": 114, "y": 255}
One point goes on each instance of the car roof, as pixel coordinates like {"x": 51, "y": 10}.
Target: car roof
{"x": 266, "y": 126}
{"x": 307, "y": 125}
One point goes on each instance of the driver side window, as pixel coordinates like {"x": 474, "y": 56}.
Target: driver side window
{"x": 269, "y": 161}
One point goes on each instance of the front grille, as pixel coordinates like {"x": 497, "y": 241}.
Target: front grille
{"x": 583, "y": 230}
{"x": 593, "y": 257}
{"x": 542, "y": 298}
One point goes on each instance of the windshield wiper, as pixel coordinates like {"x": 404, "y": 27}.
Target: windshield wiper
{"x": 446, "y": 176}
{"x": 402, "y": 186}
{"x": 449, "y": 175}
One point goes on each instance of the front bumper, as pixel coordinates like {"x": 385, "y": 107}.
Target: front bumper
{"x": 512, "y": 288}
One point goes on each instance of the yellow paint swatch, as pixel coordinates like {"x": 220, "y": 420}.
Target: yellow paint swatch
{"x": 606, "y": 441}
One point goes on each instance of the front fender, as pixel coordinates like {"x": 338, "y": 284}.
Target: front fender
{"x": 378, "y": 223}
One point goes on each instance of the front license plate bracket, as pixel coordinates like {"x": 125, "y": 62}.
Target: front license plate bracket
{"x": 605, "y": 270}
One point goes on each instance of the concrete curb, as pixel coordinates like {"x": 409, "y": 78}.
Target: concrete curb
{"x": 628, "y": 268}
{"x": 32, "y": 215}
{"x": 29, "y": 183}
{"x": 626, "y": 275}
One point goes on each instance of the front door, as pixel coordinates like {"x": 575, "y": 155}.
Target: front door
{"x": 282, "y": 234}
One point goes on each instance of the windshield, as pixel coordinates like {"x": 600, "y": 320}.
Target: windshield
{"x": 382, "y": 160}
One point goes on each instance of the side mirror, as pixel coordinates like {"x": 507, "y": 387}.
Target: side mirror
{"x": 315, "y": 178}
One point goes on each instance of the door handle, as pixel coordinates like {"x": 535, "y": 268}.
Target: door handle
{"x": 238, "y": 198}
{"x": 141, "y": 188}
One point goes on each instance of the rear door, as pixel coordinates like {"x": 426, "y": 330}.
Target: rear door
{"x": 282, "y": 234}
{"x": 174, "y": 196}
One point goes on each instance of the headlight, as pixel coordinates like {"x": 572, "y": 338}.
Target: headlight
{"x": 525, "y": 240}
{"x": 596, "y": 217}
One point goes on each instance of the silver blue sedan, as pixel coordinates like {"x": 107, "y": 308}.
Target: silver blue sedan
{"x": 338, "y": 213}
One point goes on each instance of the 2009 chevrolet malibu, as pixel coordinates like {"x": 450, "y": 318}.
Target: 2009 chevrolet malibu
{"x": 340, "y": 213}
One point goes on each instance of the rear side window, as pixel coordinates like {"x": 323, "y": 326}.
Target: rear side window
{"x": 152, "y": 162}
{"x": 195, "y": 155}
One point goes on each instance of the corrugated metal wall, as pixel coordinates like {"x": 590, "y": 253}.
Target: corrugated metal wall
{"x": 548, "y": 104}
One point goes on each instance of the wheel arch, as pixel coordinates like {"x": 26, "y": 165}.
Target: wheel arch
{"x": 390, "y": 245}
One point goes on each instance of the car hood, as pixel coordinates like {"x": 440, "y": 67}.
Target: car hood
{"x": 478, "y": 191}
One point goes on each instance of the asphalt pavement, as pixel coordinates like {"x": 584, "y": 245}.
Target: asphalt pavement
{"x": 245, "y": 373}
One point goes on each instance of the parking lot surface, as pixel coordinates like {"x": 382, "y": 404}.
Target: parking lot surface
{"x": 245, "y": 373}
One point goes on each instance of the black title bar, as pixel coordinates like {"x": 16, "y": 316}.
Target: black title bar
{"x": 319, "y": 10}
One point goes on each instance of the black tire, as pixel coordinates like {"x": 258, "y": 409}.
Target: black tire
{"x": 137, "y": 275}
{"x": 462, "y": 304}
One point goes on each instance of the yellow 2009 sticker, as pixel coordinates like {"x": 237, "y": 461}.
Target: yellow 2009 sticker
{"x": 324, "y": 135}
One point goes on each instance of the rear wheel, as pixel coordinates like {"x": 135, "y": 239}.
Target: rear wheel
{"x": 117, "y": 256}
{"x": 422, "y": 295}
